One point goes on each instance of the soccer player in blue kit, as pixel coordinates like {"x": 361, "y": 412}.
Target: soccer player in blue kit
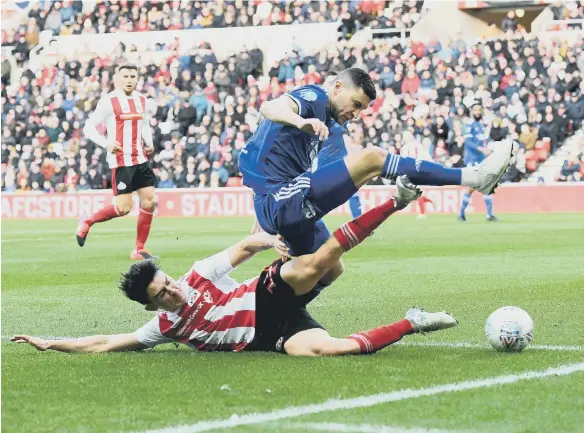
{"x": 475, "y": 150}
{"x": 290, "y": 198}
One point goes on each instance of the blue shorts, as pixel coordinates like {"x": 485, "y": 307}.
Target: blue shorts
{"x": 295, "y": 209}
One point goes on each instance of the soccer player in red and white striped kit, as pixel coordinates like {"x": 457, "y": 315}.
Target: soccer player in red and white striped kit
{"x": 128, "y": 144}
{"x": 207, "y": 310}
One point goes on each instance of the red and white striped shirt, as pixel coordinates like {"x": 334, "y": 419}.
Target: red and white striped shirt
{"x": 415, "y": 149}
{"x": 127, "y": 123}
{"x": 219, "y": 314}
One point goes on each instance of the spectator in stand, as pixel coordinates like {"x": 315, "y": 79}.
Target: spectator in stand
{"x": 571, "y": 170}
{"x": 165, "y": 181}
{"x": 509, "y": 23}
{"x": 550, "y": 130}
{"x": 524, "y": 66}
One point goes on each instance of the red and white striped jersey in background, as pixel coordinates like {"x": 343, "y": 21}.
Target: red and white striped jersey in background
{"x": 219, "y": 314}
{"x": 127, "y": 123}
{"x": 415, "y": 149}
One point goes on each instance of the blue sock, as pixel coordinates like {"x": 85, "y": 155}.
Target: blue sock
{"x": 489, "y": 204}
{"x": 464, "y": 204}
{"x": 355, "y": 205}
{"x": 421, "y": 172}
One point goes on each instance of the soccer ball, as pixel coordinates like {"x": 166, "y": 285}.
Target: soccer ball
{"x": 509, "y": 329}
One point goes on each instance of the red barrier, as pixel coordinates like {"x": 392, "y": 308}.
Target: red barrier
{"x": 559, "y": 197}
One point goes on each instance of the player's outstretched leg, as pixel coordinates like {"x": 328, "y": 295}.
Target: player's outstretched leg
{"x": 483, "y": 177}
{"x": 373, "y": 162}
{"x": 123, "y": 207}
{"x": 489, "y": 205}
{"x": 147, "y": 207}
{"x": 422, "y": 201}
{"x": 304, "y": 272}
{"x": 334, "y": 184}
{"x": 464, "y": 204}
{"x": 317, "y": 342}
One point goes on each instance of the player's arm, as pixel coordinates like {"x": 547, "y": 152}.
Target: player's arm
{"x": 221, "y": 264}
{"x": 91, "y": 344}
{"x": 286, "y": 110}
{"x": 147, "y": 134}
{"x": 100, "y": 114}
{"x": 253, "y": 244}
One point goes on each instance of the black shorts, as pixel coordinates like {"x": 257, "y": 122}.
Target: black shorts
{"x": 126, "y": 180}
{"x": 279, "y": 314}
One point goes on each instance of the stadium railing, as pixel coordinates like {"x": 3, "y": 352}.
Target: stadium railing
{"x": 274, "y": 41}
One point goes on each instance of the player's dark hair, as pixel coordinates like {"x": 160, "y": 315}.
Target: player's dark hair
{"x": 360, "y": 79}
{"x": 135, "y": 282}
{"x": 332, "y": 74}
{"x": 128, "y": 66}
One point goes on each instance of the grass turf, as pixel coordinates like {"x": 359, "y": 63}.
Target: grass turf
{"x": 51, "y": 287}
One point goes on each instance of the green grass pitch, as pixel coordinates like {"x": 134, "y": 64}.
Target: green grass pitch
{"x": 51, "y": 287}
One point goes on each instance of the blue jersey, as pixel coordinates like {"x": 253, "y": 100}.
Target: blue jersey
{"x": 277, "y": 154}
{"x": 474, "y": 137}
{"x": 334, "y": 147}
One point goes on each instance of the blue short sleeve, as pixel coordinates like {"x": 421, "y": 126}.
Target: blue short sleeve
{"x": 312, "y": 102}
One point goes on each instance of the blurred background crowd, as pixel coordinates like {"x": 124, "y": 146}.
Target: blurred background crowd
{"x": 202, "y": 110}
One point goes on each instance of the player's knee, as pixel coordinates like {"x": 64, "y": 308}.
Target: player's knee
{"x": 334, "y": 273}
{"x": 149, "y": 203}
{"x": 373, "y": 157}
{"x": 124, "y": 208}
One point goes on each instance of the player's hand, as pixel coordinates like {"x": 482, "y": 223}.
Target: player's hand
{"x": 263, "y": 241}
{"x": 314, "y": 127}
{"x": 281, "y": 248}
{"x": 148, "y": 150}
{"x": 256, "y": 228}
{"x": 37, "y": 343}
{"x": 114, "y": 147}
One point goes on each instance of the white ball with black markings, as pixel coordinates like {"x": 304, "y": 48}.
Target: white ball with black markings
{"x": 509, "y": 329}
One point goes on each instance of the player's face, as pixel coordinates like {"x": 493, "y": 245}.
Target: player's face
{"x": 476, "y": 111}
{"x": 128, "y": 78}
{"x": 165, "y": 293}
{"x": 347, "y": 102}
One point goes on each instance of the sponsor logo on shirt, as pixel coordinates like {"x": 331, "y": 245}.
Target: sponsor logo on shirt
{"x": 130, "y": 116}
{"x": 193, "y": 296}
{"x": 308, "y": 95}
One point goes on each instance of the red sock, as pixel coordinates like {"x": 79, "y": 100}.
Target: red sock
{"x": 354, "y": 232}
{"x": 378, "y": 338}
{"x": 144, "y": 224}
{"x": 105, "y": 214}
{"x": 422, "y": 204}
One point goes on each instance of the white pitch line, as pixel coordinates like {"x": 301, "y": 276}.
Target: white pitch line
{"x": 486, "y": 346}
{"x": 366, "y": 401}
{"x": 364, "y": 428}
{"x": 459, "y": 345}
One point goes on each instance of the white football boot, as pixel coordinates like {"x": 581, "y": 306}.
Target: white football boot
{"x": 407, "y": 192}
{"x": 495, "y": 165}
{"x": 423, "y": 321}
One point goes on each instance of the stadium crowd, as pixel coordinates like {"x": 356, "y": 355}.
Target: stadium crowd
{"x": 203, "y": 110}
{"x": 70, "y": 17}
